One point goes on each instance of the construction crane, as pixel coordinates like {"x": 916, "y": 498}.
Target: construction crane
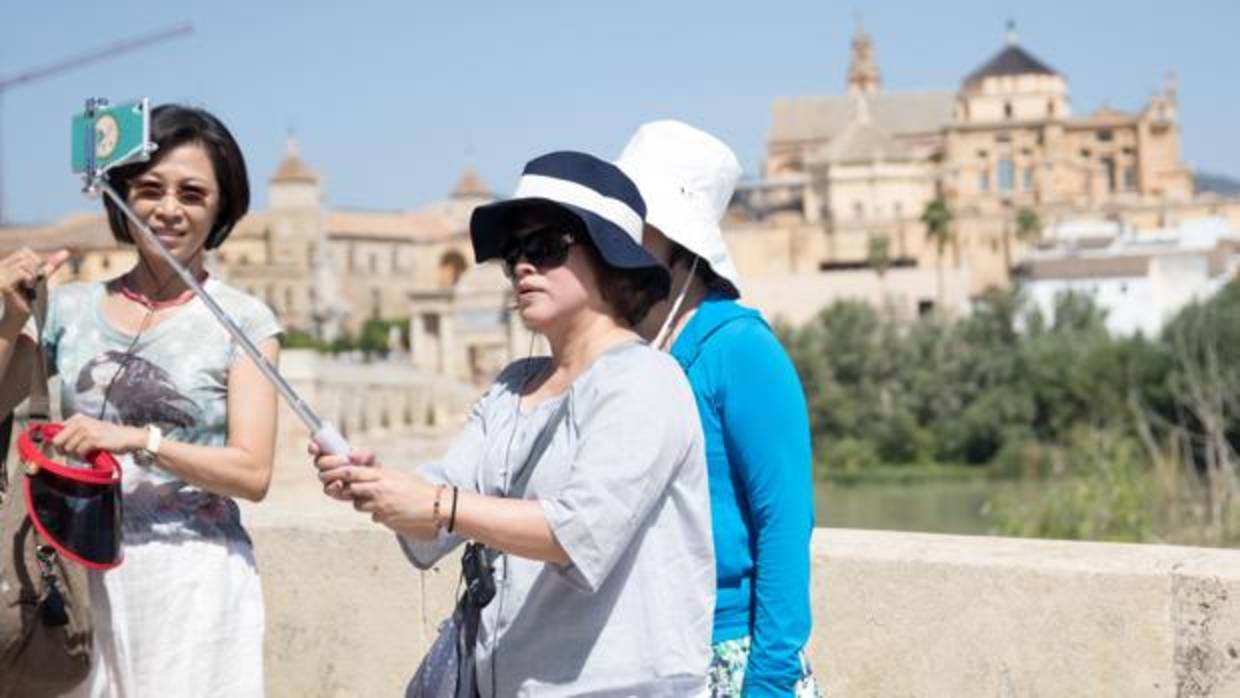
{"x": 34, "y": 74}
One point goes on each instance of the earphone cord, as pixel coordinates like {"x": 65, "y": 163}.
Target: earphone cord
{"x": 499, "y": 610}
{"x": 129, "y": 351}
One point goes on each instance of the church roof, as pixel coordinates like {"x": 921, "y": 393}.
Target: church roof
{"x": 1012, "y": 60}
{"x": 293, "y": 168}
{"x": 1105, "y": 116}
{"x": 470, "y": 185}
{"x": 822, "y": 118}
{"x": 862, "y": 140}
{"x": 863, "y": 143}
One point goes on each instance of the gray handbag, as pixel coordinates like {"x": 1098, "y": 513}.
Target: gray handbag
{"x": 440, "y": 673}
{"x": 447, "y": 669}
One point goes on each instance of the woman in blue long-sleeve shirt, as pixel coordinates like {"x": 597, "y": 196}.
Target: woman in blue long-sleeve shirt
{"x": 753, "y": 415}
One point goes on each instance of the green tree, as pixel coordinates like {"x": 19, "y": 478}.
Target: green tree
{"x": 374, "y": 337}
{"x": 1028, "y": 225}
{"x": 300, "y": 339}
{"x": 878, "y": 257}
{"x": 1025, "y": 226}
{"x": 343, "y": 343}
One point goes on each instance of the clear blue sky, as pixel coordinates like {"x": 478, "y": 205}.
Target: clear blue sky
{"x": 390, "y": 100}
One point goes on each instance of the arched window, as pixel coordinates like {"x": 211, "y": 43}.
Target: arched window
{"x": 451, "y": 266}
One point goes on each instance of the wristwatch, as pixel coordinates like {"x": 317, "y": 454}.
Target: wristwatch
{"x": 145, "y": 456}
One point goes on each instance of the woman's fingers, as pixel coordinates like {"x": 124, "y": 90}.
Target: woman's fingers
{"x": 26, "y": 268}
{"x": 349, "y": 475}
{"x": 329, "y": 462}
{"x": 54, "y": 261}
{"x": 338, "y": 491}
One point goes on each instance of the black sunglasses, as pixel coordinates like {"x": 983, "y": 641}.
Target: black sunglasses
{"x": 544, "y": 247}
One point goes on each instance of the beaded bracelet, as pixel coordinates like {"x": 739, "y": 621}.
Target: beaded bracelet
{"x": 435, "y": 517}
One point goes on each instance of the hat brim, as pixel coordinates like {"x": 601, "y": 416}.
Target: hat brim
{"x": 489, "y": 229}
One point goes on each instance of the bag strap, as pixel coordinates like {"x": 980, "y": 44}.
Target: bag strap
{"x": 517, "y": 489}
{"x": 6, "y": 435}
{"x": 40, "y": 406}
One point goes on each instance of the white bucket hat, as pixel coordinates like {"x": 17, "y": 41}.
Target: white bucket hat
{"x": 686, "y": 177}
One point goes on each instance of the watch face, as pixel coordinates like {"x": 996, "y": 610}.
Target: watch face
{"x": 107, "y": 135}
{"x": 144, "y": 458}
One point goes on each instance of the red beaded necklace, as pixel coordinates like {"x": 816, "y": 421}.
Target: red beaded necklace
{"x": 153, "y": 305}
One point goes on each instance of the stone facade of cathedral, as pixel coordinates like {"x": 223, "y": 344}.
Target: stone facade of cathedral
{"x": 847, "y": 178}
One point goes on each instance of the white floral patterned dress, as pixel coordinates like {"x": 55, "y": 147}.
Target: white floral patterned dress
{"x": 183, "y": 614}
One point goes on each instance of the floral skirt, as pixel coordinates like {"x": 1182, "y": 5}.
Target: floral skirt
{"x": 727, "y": 671}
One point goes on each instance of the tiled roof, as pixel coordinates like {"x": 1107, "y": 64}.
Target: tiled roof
{"x": 822, "y": 118}
{"x": 87, "y": 231}
{"x": 294, "y": 169}
{"x": 1087, "y": 267}
{"x": 863, "y": 143}
{"x": 470, "y": 186}
{"x": 398, "y": 225}
{"x": 1105, "y": 116}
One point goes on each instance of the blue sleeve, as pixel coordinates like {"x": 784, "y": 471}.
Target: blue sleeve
{"x": 766, "y": 433}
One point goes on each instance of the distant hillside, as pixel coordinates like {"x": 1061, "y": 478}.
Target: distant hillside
{"x": 1224, "y": 185}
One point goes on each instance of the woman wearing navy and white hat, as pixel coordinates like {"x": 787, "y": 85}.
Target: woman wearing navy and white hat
{"x": 753, "y": 414}
{"x": 605, "y": 578}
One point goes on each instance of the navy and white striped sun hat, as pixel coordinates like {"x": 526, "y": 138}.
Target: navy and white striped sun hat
{"x": 601, "y": 196}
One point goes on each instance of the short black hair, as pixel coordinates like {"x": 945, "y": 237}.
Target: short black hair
{"x": 173, "y": 125}
{"x": 631, "y": 293}
{"x": 711, "y": 280}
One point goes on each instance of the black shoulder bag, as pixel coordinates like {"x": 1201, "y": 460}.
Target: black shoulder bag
{"x": 447, "y": 669}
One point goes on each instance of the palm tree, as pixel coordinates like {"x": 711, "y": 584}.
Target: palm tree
{"x": 1028, "y": 227}
{"x": 878, "y": 256}
{"x": 938, "y": 220}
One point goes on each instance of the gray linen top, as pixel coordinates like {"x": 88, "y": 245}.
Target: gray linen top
{"x": 623, "y": 486}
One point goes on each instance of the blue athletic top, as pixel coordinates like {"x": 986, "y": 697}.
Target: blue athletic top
{"x": 758, "y": 455}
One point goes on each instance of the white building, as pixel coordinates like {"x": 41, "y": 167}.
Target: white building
{"x": 1140, "y": 277}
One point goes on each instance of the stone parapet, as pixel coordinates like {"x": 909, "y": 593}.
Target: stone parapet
{"x": 895, "y": 614}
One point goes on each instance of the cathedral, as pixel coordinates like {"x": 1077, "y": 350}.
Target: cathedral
{"x": 848, "y": 177}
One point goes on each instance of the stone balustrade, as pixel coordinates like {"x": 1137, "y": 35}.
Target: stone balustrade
{"x": 895, "y": 614}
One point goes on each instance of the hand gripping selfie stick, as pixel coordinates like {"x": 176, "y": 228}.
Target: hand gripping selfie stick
{"x": 323, "y": 432}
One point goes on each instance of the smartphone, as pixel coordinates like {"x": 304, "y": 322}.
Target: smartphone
{"x": 118, "y": 135}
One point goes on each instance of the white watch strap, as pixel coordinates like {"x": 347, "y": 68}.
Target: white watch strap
{"x": 154, "y": 437}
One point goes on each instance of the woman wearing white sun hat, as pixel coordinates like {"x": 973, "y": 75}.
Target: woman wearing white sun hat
{"x": 752, "y": 408}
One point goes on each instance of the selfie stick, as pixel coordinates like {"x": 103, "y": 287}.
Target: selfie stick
{"x": 323, "y": 432}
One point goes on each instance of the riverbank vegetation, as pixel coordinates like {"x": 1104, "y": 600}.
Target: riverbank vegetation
{"x": 1135, "y": 437}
